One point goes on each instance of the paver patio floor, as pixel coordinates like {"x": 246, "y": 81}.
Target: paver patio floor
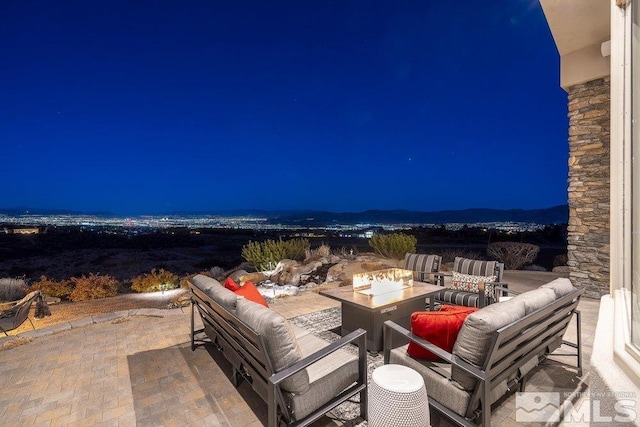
{"x": 137, "y": 368}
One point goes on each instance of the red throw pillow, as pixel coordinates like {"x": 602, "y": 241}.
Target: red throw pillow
{"x": 231, "y": 284}
{"x": 438, "y": 327}
{"x": 250, "y": 292}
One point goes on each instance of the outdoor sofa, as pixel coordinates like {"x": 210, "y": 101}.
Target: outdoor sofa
{"x": 299, "y": 375}
{"x": 495, "y": 348}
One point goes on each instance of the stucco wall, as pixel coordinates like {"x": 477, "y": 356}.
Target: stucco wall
{"x": 589, "y": 207}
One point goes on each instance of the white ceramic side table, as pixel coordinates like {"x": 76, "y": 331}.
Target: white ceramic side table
{"x": 397, "y": 397}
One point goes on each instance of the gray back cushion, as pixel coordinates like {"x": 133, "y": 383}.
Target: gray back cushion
{"x": 422, "y": 263}
{"x": 536, "y": 299}
{"x": 476, "y": 334}
{"x": 476, "y": 267}
{"x": 561, "y": 286}
{"x": 216, "y": 292}
{"x": 280, "y": 341}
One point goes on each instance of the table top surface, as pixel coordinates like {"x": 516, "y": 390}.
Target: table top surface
{"x": 347, "y": 295}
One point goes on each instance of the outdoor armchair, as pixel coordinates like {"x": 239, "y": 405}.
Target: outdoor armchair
{"x": 423, "y": 266}
{"x": 18, "y": 311}
{"x": 472, "y": 283}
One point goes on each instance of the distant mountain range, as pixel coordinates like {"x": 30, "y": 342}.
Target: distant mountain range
{"x": 553, "y": 215}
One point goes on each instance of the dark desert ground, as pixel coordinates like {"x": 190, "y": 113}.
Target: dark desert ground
{"x": 62, "y": 253}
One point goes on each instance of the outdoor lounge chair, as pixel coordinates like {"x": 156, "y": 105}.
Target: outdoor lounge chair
{"x": 18, "y": 311}
{"x": 472, "y": 285}
{"x": 423, "y": 266}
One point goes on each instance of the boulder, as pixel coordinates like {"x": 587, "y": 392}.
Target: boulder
{"x": 217, "y": 273}
{"x": 345, "y": 269}
{"x": 252, "y": 277}
{"x": 293, "y": 273}
{"x": 236, "y": 274}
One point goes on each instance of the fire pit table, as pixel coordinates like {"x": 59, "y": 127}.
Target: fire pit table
{"x": 362, "y": 308}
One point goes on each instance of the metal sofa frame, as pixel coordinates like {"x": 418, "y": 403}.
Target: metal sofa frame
{"x": 246, "y": 352}
{"x": 512, "y": 346}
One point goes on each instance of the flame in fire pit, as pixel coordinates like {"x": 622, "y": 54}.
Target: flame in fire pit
{"x": 382, "y": 281}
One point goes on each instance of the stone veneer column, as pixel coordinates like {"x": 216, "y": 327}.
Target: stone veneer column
{"x": 588, "y": 237}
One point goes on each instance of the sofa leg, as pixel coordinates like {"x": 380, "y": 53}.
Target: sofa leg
{"x": 236, "y": 378}
{"x": 193, "y": 339}
{"x": 486, "y": 405}
{"x": 579, "y": 341}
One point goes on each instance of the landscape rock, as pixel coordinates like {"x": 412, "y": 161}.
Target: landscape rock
{"x": 293, "y": 274}
{"x": 217, "y": 273}
{"x": 282, "y": 265}
{"x": 252, "y": 277}
{"x": 274, "y": 291}
{"x": 236, "y": 274}
{"x": 345, "y": 269}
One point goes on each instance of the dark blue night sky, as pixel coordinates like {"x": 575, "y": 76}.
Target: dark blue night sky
{"x": 160, "y": 106}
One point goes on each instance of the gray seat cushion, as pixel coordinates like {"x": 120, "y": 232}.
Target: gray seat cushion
{"x": 280, "y": 341}
{"x": 327, "y": 377}
{"x": 477, "y": 333}
{"x": 437, "y": 381}
{"x": 453, "y": 296}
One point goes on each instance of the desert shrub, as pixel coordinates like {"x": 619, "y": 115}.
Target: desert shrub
{"x": 514, "y": 255}
{"x": 265, "y": 255}
{"x": 93, "y": 286}
{"x": 560, "y": 260}
{"x": 52, "y": 288}
{"x": 152, "y": 282}
{"x": 394, "y": 245}
{"x": 450, "y": 254}
{"x": 317, "y": 253}
{"x": 12, "y": 289}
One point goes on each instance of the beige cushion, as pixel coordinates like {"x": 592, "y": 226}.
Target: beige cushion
{"x": 281, "y": 344}
{"x": 476, "y": 335}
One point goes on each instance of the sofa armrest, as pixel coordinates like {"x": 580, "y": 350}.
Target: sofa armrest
{"x": 504, "y": 288}
{"x": 391, "y": 327}
{"x": 359, "y": 335}
{"x": 439, "y": 277}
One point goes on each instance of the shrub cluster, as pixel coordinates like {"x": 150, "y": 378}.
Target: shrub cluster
{"x": 317, "y": 253}
{"x": 52, "y": 288}
{"x": 152, "y": 282}
{"x": 514, "y": 255}
{"x": 394, "y": 245}
{"x": 93, "y": 286}
{"x": 265, "y": 255}
{"x": 450, "y": 254}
